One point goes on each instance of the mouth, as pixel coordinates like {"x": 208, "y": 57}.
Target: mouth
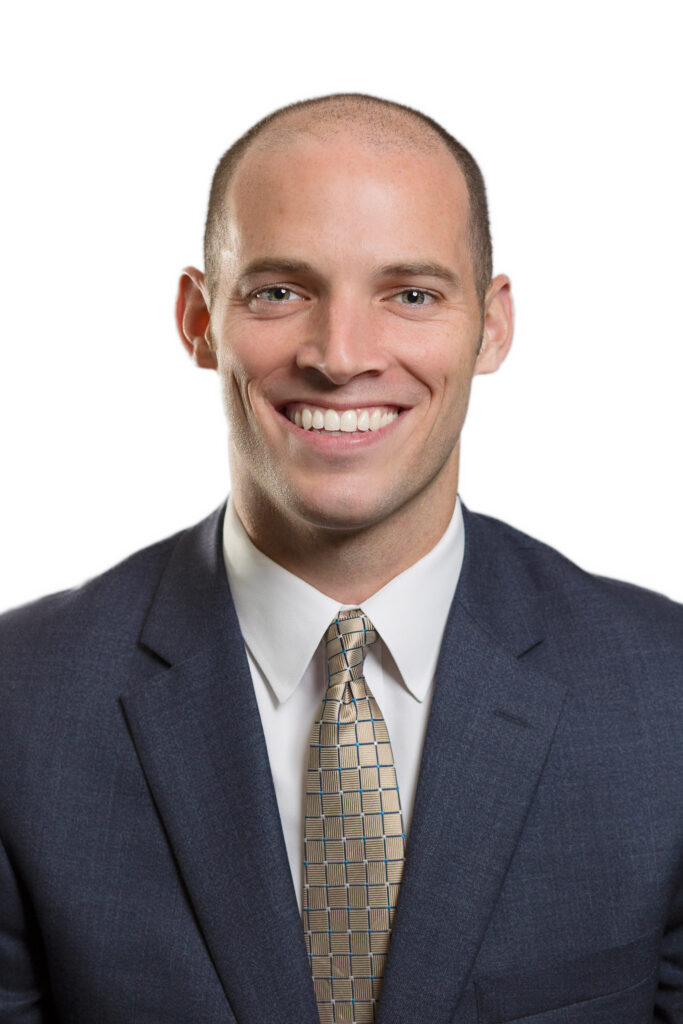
{"x": 323, "y": 420}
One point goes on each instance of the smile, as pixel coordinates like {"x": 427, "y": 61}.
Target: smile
{"x": 346, "y": 421}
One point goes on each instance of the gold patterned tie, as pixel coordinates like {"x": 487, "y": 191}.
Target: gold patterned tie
{"x": 354, "y": 843}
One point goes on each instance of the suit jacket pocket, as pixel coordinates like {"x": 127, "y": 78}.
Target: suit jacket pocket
{"x": 558, "y": 984}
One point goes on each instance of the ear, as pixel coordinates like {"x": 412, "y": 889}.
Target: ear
{"x": 498, "y": 326}
{"x": 193, "y": 318}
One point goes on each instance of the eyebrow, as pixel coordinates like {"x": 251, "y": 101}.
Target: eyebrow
{"x": 419, "y": 270}
{"x": 277, "y": 265}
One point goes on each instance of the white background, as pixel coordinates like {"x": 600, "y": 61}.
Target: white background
{"x": 116, "y": 116}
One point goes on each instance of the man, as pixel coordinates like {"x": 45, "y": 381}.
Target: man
{"x": 347, "y": 752}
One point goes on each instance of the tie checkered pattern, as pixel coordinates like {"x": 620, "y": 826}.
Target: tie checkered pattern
{"x": 354, "y": 843}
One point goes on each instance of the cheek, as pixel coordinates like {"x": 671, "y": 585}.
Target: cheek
{"x": 251, "y": 368}
{"x": 235, "y": 370}
{"x": 446, "y": 368}
{"x": 241, "y": 364}
{"x": 253, "y": 354}
{"x": 236, "y": 357}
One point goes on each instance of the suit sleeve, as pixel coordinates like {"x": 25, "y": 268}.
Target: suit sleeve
{"x": 23, "y": 989}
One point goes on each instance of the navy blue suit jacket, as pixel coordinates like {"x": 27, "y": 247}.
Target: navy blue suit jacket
{"x": 143, "y": 871}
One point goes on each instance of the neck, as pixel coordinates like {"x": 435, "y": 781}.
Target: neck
{"x": 348, "y": 565}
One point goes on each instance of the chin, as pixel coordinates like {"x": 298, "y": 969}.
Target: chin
{"x": 346, "y": 511}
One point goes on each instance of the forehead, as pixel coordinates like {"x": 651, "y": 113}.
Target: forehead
{"x": 349, "y": 188}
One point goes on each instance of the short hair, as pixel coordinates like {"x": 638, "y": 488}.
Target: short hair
{"x": 382, "y": 113}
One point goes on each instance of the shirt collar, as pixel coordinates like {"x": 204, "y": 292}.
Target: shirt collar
{"x": 283, "y": 618}
{"x": 410, "y": 612}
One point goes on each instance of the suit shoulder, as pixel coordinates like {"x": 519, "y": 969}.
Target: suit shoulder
{"x": 567, "y": 592}
{"x": 106, "y": 605}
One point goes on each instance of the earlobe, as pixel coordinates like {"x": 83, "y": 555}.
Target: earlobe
{"x": 498, "y": 326}
{"x": 193, "y": 318}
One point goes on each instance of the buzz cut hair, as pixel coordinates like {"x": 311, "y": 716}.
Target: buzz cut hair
{"x": 382, "y": 121}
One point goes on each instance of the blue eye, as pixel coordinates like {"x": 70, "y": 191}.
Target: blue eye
{"x": 276, "y": 294}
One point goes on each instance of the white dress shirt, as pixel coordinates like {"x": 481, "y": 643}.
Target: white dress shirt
{"x": 283, "y": 620}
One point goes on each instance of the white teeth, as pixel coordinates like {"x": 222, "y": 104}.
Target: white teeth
{"x": 348, "y": 421}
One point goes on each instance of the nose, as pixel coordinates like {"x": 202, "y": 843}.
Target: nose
{"x": 343, "y": 341}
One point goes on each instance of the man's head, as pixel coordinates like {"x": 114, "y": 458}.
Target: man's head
{"x": 348, "y": 303}
{"x": 383, "y": 122}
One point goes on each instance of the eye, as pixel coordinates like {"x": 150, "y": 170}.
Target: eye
{"x": 414, "y": 297}
{"x": 276, "y": 294}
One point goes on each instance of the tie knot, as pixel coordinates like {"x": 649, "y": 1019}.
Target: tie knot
{"x": 346, "y": 641}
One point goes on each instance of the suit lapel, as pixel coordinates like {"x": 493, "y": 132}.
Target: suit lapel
{"x": 490, "y": 728}
{"x": 198, "y": 735}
